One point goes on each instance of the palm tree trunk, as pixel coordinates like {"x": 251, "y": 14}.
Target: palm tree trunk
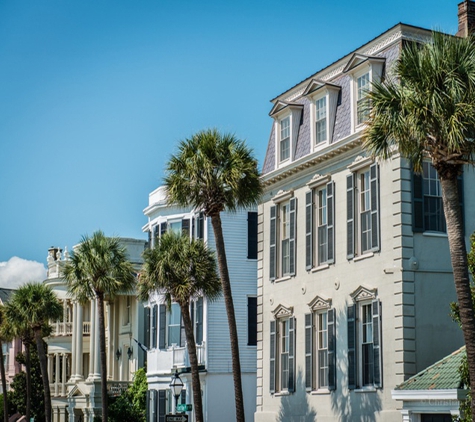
{"x": 458, "y": 254}
{"x": 28, "y": 379}
{"x": 102, "y": 350}
{"x": 44, "y": 373}
{"x": 4, "y": 384}
{"x": 195, "y": 376}
{"x": 228, "y": 300}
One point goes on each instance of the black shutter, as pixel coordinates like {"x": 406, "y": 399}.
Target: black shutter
{"x": 185, "y": 226}
{"x": 183, "y": 396}
{"x": 350, "y": 216}
{"x": 272, "y": 360}
{"x": 273, "y": 239}
{"x": 162, "y": 405}
{"x": 331, "y": 332}
{"x": 147, "y": 329}
{"x": 377, "y": 343}
{"x": 182, "y": 332}
{"x": 162, "y": 328}
{"x": 417, "y": 203}
{"x": 163, "y": 228}
{"x": 374, "y": 191}
{"x": 331, "y": 222}
{"x": 309, "y": 230}
{"x": 308, "y": 352}
{"x": 147, "y": 405}
{"x": 291, "y": 355}
{"x": 199, "y": 321}
{"x": 252, "y": 321}
{"x": 154, "y": 326}
{"x": 292, "y": 235}
{"x": 351, "y": 347}
{"x": 149, "y": 242}
{"x": 252, "y": 235}
{"x": 200, "y": 226}
{"x": 155, "y": 407}
{"x": 156, "y": 235}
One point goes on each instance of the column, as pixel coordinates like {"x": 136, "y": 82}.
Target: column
{"x": 63, "y": 377}
{"x": 97, "y": 359}
{"x": 74, "y": 370}
{"x": 79, "y": 343}
{"x": 56, "y": 378}
{"x": 92, "y": 339}
{"x": 62, "y": 414}
{"x": 110, "y": 361}
{"x": 50, "y": 368}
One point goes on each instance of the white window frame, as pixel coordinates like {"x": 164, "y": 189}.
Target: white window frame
{"x": 321, "y": 348}
{"x": 321, "y": 116}
{"x": 365, "y": 339}
{"x": 284, "y": 238}
{"x": 432, "y": 190}
{"x": 288, "y": 139}
{"x": 360, "y": 99}
{"x": 169, "y": 326}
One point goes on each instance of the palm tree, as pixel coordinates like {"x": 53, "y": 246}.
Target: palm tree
{"x": 180, "y": 270}
{"x": 34, "y": 305}
{"x": 3, "y": 337}
{"x": 428, "y": 111}
{"x": 214, "y": 172}
{"x": 98, "y": 268}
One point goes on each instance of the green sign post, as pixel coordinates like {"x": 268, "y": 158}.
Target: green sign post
{"x": 184, "y": 408}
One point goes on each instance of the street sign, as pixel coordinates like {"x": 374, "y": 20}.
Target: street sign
{"x": 184, "y": 407}
{"x": 176, "y": 418}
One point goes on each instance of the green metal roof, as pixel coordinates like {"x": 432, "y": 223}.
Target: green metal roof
{"x": 442, "y": 375}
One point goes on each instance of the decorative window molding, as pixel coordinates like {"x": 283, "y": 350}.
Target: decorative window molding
{"x": 283, "y": 311}
{"x": 360, "y": 162}
{"x": 364, "y": 293}
{"x": 319, "y": 303}
{"x": 283, "y": 195}
{"x": 318, "y": 180}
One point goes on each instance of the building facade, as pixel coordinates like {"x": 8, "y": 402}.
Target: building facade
{"x": 355, "y": 278}
{"x": 73, "y": 347}
{"x": 165, "y": 332}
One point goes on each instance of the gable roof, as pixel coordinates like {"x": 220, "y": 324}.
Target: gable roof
{"x": 442, "y": 375}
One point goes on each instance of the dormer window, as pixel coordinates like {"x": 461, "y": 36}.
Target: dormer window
{"x": 287, "y": 117}
{"x": 285, "y": 139}
{"x": 324, "y": 99}
{"x": 321, "y": 119}
{"x": 364, "y": 71}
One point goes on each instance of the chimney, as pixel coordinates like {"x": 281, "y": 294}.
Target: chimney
{"x": 466, "y": 15}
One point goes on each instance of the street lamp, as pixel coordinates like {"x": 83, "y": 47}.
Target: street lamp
{"x": 176, "y": 385}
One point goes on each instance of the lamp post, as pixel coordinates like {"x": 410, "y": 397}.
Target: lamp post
{"x": 176, "y": 385}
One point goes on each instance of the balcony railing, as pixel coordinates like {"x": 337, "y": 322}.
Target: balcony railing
{"x": 180, "y": 357}
{"x": 62, "y": 328}
{"x": 86, "y": 328}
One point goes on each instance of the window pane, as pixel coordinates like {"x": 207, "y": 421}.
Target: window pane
{"x": 285, "y": 139}
{"x": 321, "y": 119}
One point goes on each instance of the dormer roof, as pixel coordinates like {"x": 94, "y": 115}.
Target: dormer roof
{"x": 316, "y": 84}
{"x": 281, "y": 105}
{"x": 357, "y": 60}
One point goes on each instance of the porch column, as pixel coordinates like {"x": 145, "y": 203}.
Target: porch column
{"x": 97, "y": 359}
{"x": 74, "y": 370}
{"x": 79, "y": 343}
{"x": 92, "y": 341}
{"x": 56, "y": 378}
{"x": 63, "y": 377}
{"x": 62, "y": 414}
{"x": 50, "y": 368}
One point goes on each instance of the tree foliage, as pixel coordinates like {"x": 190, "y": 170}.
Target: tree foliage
{"x": 131, "y": 405}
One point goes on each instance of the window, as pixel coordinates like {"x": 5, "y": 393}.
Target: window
{"x": 319, "y": 223}
{"x": 282, "y": 238}
{"x": 175, "y": 326}
{"x": 285, "y": 139}
{"x": 428, "y": 210}
{"x": 157, "y": 405}
{"x": 364, "y": 343}
{"x": 321, "y": 119}
{"x": 362, "y": 194}
{"x": 320, "y": 346}
{"x": 196, "y": 312}
{"x": 252, "y": 321}
{"x": 252, "y": 235}
{"x": 282, "y": 353}
{"x": 127, "y": 313}
{"x": 362, "y": 103}
{"x": 178, "y": 225}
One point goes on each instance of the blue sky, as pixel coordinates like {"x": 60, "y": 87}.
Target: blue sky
{"x": 95, "y": 95}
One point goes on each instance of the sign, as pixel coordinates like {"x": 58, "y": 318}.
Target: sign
{"x": 176, "y": 418}
{"x": 184, "y": 408}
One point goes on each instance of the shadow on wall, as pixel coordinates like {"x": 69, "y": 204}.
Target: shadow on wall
{"x": 295, "y": 408}
{"x": 348, "y": 405}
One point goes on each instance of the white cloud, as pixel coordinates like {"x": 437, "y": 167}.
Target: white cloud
{"x": 17, "y": 271}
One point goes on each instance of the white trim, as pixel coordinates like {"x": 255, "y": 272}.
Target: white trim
{"x": 418, "y": 395}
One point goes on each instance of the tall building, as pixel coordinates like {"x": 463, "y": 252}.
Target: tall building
{"x": 73, "y": 347}
{"x": 165, "y": 339}
{"x": 355, "y": 277}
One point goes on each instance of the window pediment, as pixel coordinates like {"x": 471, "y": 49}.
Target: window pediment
{"x": 358, "y": 60}
{"x": 315, "y": 86}
{"x": 280, "y": 107}
{"x": 283, "y": 195}
{"x": 282, "y": 311}
{"x": 360, "y": 162}
{"x": 364, "y": 293}
{"x": 320, "y": 303}
{"x": 318, "y": 180}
